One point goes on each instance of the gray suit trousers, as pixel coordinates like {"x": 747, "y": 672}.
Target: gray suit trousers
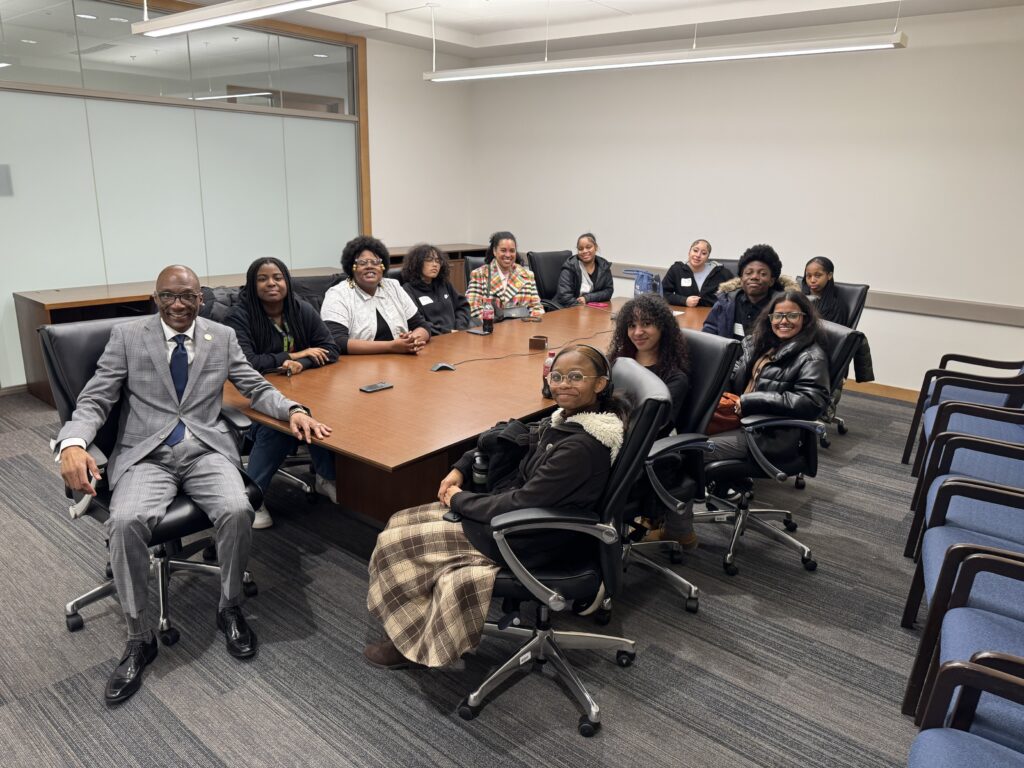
{"x": 141, "y": 497}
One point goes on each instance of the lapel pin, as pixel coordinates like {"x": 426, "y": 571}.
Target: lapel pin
{"x": 208, "y": 337}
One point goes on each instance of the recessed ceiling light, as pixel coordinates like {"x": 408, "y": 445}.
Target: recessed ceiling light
{"x": 29, "y": 42}
{"x": 118, "y": 18}
{"x": 319, "y": 55}
{"x": 88, "y": 16}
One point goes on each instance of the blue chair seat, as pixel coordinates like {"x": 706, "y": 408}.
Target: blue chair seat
{"x": 975, "y": 425}
{"x": 997, "y": 594}
{"x": 999, "y": 520}
{"x": 965, "y": 631}
{"x": 949, "y": 748}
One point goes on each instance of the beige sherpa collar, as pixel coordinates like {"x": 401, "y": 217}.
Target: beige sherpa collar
{"x": 606, "y": 428}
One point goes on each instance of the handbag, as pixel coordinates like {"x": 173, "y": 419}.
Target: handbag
{"x": 724, "y": 418}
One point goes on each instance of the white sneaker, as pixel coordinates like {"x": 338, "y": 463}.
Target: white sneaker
{"x": 263, "y": 518}
{"x": 326, "y": 488}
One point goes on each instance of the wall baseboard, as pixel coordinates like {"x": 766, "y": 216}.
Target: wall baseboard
{"x": 882, "y": 390}
{"x": 15, "y": 390}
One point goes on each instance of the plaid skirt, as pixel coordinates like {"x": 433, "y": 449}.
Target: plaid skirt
{"x": 429, "y": 586}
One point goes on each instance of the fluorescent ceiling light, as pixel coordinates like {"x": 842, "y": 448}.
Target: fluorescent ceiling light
{"x": 88, "y": 16}
{"x": 30, "y": 42}
{"x": 118, "y": 18}
{"x": 4, "y": 64}
{"x": 629, "y": 61}
{"x": 231, "y": 12}
{"x": 231, "y": 96}
{"x": 319, "y": 55}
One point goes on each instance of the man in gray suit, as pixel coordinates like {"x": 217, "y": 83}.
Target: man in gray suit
{"x": 170, "y": 370}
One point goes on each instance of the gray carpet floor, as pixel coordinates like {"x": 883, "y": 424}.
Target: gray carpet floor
{"x": 780, "y": 667}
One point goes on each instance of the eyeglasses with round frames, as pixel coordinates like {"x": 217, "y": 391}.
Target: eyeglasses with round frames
{"x": 778, "y": 317}
{"x": 573, "y": 377}
{"x": 368, "y": 262}
{"x": 167, "y": 298}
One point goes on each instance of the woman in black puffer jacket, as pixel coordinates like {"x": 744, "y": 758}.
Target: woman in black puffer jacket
{"x": 783, "y": 371}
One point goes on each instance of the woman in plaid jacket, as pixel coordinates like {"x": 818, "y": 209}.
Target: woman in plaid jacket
{"x": 502, "y": 282}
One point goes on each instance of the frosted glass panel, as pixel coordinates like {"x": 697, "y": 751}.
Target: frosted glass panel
{"x": 323, "y": 203}
{"x": 245, "y": 205}
{"x": 51, "y": 236}
{"x": 147, "y": 182}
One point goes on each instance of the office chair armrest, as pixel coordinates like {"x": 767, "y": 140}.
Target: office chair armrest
{"x": 970, "y": 488}
{"x": 534, "y": 520}
{"x": 947, "y": 409}
{"x": 237, "y": 420}
{"x": 972, "y": 679}
{"x": 969, "y": 360}
{"x": 690, "y": 441}
{"x": 751, "y": 424}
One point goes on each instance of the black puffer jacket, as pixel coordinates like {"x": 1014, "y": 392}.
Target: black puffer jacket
{"x": 794, "y": 382}
{"x": 679, "y": 283}
{"x": 570, "y": 280}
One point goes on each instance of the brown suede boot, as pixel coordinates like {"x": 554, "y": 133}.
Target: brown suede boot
{"x": 384, "y": 655}
{"x": 687, "y": 542}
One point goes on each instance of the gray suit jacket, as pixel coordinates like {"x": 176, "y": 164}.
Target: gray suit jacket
{"x": 134, "y": 366}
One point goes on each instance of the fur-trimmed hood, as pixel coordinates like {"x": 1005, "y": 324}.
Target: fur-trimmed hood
{"x": 788, "y": 284}
{"x": 606, "y": 428}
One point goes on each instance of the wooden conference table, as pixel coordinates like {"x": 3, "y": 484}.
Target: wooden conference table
{"x": 394, "y": 446}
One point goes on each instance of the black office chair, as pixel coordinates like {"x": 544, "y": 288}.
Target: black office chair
{"x": 733, "y": 265}
{"x": 546, "y": 266}
{"x": 576, "y": 576}
{"x": 711, "y": 359}
{"x": 840, "y": 343}
{"x": 471, "y": 263}
{"x": 395, "y": 273}
{"x": 70, "y": 353}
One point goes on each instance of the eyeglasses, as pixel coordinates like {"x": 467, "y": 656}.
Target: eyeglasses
{"x": 167, "y": 298}
{"x": 434, "y": 259}
{"x": 573, "y": 377}
{"x": 368, "y": 262}
{"x": 778, "y": 317}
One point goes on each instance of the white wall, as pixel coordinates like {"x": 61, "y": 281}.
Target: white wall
{"x": 905, "y": 167}
{"x": 420, "y": 156}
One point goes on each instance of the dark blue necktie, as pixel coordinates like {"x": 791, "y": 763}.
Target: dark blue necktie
{"x": 179, "y": 375}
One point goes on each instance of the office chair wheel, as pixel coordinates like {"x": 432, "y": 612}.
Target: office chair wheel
{"x": 790, "y": 525}
{"x": 250, "y": 589}
{"x": 170, "y": 636}
{"x": 692, "y": 605}
{"x": 809, "y": 563}
{"x": 625, "y": 658}
{"x": 824, "y": 442}
{"x": 730, "y": 568}
{"x": 210, "y": 554}
{"x": 588, "y": 728}
{"x": 800, "y": 483}
{"x": 675, "y": 555}
{"x": 841, "y": 427}
{"x": 108, "y": 571}
{"x": 602, "y": 616}
{"x": 467, "y": 712}
{"x": 74, "y": 622}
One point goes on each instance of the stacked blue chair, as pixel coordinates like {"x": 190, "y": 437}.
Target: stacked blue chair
{"x": 942, "y": 384}
{"x": 949, "y": 735}
{"x": 953, "y": 455}
{"x": 971, "y": 570}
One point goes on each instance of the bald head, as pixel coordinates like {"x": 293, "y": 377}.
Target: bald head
{"x": 178, "y": 296}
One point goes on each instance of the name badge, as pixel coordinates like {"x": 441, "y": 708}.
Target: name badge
{"x": 737, "y": 330}
{"x": 424, "y": 300}
{"x": 685, "y": 282}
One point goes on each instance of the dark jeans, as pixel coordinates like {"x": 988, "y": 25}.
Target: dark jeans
{"x": 270, "y": 449}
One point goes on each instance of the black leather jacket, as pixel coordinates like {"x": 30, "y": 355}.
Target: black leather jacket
{"x": 795, "y": 382}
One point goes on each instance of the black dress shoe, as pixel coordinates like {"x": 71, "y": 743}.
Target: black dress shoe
{"x": 241, "y": 641}
{"x": 126, "y": 678}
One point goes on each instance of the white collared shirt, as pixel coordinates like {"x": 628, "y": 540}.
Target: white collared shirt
{"x": 190, "y": 344}
{"x": 351, "y": 306}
